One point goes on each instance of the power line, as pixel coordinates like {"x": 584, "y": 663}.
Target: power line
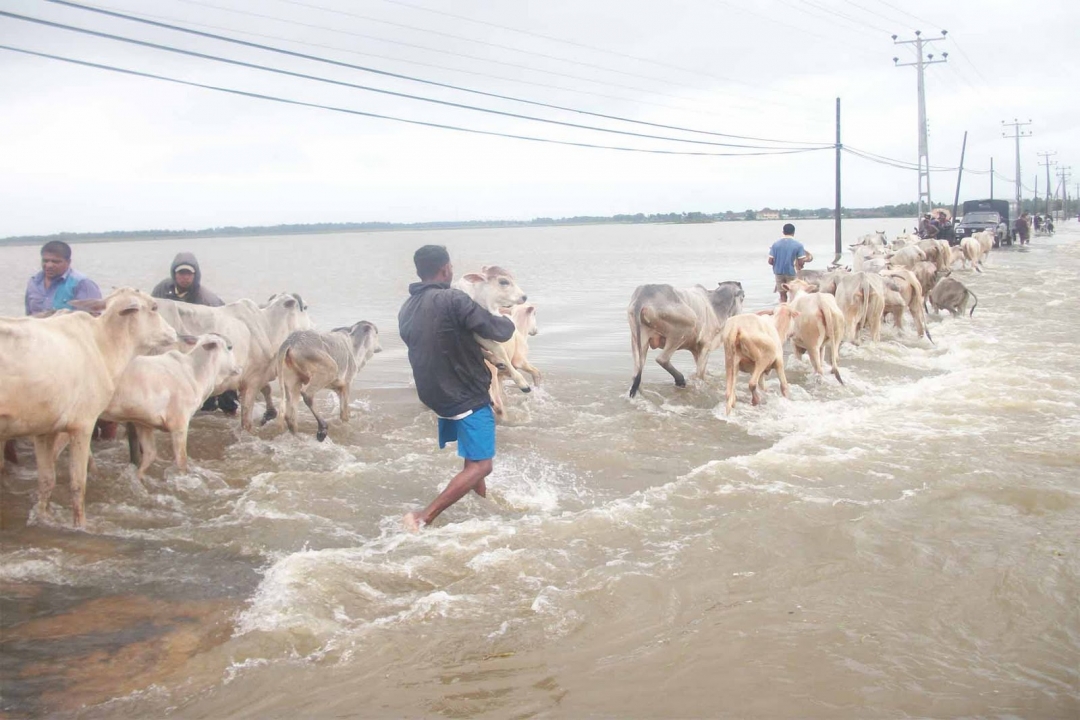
{"x": 340, "y": 83}
{"x": 426, "y": 48}
{"x": 905, "y": 12}
{"x": 443, "y": 126}
{"x": 533, "y": 34}
{"x": 510, "y": 48}
{"x": 844, "y": 16}
{"x": 385, "y": 73}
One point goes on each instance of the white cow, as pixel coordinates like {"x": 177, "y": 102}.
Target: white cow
{"x": 255, "y": 332}
{"x": 59, "y": 374}
{"x": 819, "y": 322}
{"x": 162, "y": 392}
{"x": 861, "y": 297}
{"x": 494, "y": 288}
{"x": 517, "y": 349}
{"x": 754, "y": 343}
{"x": 972, "y": 250}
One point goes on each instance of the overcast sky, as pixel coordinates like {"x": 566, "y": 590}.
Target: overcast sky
{"x": 84, "y": 149}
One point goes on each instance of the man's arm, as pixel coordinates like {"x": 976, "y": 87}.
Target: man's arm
{"x": 477, "y": 319}
{"x": 87, "y": 289}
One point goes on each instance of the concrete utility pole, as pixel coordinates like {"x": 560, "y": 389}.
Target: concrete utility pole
{"x": 1046, "y": 161}
{"x": 919, "y": 64}
{"x": 1064, "y": 176}
{"x": 1017, "y": 134}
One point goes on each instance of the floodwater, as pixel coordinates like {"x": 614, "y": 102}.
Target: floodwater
{"x": 902, "y": 545}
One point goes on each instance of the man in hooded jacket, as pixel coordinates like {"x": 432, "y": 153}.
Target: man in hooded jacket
{"x": 184, "y": 284}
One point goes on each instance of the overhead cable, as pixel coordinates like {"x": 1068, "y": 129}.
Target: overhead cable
{"x": 399, "y": 76}
{"x": 510, "y": 48}
{"x": 443, "y": 126}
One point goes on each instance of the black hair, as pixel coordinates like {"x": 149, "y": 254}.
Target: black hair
{"x": 429, "y": 260}
{"x": 57, "y": 247}
{"x": 789, "y": 229}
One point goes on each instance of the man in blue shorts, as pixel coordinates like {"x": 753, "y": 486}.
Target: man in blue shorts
{"x": 784, "y": 255}
{"x": 438, "y": 324}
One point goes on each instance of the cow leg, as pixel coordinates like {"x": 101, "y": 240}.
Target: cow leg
{"x": 503, "y": 361}
{"x": 80, "y": 455}
{"x": 495, "y": 390}
{"x": 731, "y": 368}
{"x": 9, "y": 453}
{"x": 527, "y": 367}
{"x": 44, "y": 452}
{"x": 814, "y": 351}
{"x": 320, "y": 433}
{"x": 179, "y": 446}
{"x": 271, "y": 411}
{"x": 343, "y": 401}
{"x": 755, "y": 378}
{"x": 134, "y": 451}
{"x": 779, "y": 365}
{"x": 145, "y": 439}
{"x": 290, "y": 385}
{"x": 247, "y": 406}
{"x": 664, "y": 360}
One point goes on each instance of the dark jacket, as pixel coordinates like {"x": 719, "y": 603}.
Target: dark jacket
{"x": 437, "y": 324}
{"x": 196, "y": 294}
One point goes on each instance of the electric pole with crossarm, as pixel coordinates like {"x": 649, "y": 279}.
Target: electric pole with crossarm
{"x": 919, "y": 64}
{"x": 1017, "y": 134}
{"x": 1046, "y": 163}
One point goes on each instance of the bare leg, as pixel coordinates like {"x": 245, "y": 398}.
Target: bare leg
{"x": 471, "y": 477}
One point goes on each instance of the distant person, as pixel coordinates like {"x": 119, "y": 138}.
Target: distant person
{"x": 787, "y": 256}
{"x": 437, "y": 323}
{"x": 1037, "y": 222}
{"x": 184, "y": 284}
{"x": 928, "y": 229}
{"x": 58, "y": 283}
{"x": 1049, "y": 225}
{"x": 1023, "y": 229}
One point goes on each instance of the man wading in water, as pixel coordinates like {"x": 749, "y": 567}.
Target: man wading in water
{"x": 437, "y": 324}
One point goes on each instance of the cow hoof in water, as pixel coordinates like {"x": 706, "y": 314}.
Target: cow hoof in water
{"x": 320, "y": 435}
{"x": 267, "y": 416}
{"x": 526, "y": 389}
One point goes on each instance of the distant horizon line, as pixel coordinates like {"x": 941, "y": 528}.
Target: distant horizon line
{"x": 694, "y": 217}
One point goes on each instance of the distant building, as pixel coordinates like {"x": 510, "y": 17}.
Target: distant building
{"x": 767, "y": 214}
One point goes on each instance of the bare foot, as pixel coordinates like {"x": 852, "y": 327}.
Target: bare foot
{"x": 412, "y": 522}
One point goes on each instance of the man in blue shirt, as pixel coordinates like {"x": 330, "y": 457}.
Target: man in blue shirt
{"x": 784, "y": 255}
{"x": 57, "y": 284}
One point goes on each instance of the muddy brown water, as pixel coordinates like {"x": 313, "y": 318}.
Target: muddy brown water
{"x": 902, "y": 545}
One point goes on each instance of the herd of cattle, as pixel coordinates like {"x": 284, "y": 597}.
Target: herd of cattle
{"x": 825, "y": 308}
{"x": 152, "y": 363}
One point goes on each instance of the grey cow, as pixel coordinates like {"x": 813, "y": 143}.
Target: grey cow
{"x": 309, "y": 361}
{"x": 662, "y": 317}
{"x": 952, "y": 295}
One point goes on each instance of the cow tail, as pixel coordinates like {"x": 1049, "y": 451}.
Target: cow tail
{"x": 976, "y": 303}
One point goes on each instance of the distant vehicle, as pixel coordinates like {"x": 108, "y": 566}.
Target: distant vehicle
{"x": 985, "y": 215}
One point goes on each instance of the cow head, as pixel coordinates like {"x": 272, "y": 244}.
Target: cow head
{"x": 285, "y": 313}
{"x": 132, "y": 315}
{"x": 494, "y": 287}
{"x": 216, "y": 351}
{"x": 524, "y": 317}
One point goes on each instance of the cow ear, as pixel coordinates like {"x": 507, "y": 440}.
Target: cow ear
{"x": 94, "y": 307}
{"x": 291, "y": 302}
{"x": 473, "y": 278}
{"x": 530, "y": 309}
{"x": 813, "y": 288}
{"x": 188, "y": 339}
{"x": 786, "y": 287}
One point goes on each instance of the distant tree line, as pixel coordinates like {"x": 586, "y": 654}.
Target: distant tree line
{"x": 906, "y": 210}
